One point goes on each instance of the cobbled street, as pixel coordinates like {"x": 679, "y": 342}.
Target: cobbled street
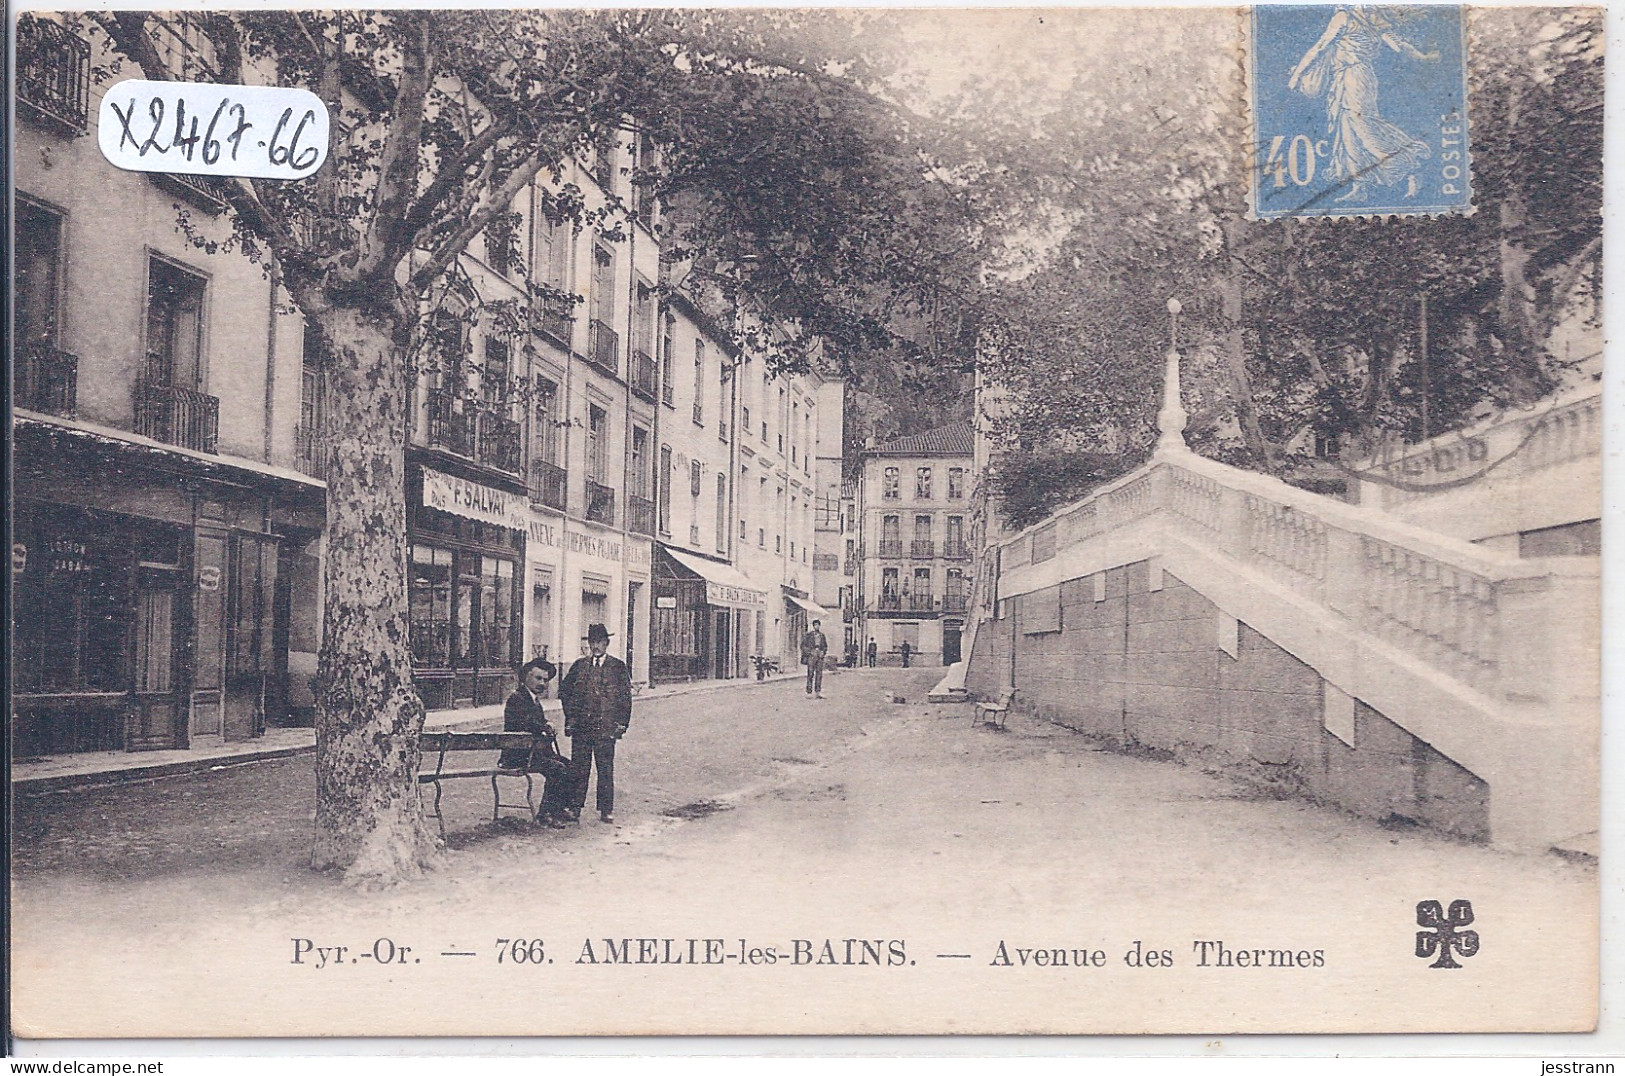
{"x": 760, "y": 818}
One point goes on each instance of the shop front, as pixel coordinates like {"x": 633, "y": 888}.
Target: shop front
{"x": 705, "y": 615}
{"x": 544, "y": 584}
{"x": 466, "y": 560}
{"x": 606, "y": 581}
{"x": 799, "y": 613}
{"x": 146, "y": 608}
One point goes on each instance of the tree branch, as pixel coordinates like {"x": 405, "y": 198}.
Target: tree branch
{"x": 499, "y": 202}
{"x": 383, "y": 246}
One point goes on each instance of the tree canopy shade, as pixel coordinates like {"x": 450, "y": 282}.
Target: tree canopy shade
{"x": 785, "y": 175}
{"x": 1132, "y": 175}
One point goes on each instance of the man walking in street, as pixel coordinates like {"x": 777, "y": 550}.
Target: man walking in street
{"x": 907, "y": 652}
{"x": 597, "y": 697}
{"x": 814, "y": 649}
{"x": 874, "y": 651}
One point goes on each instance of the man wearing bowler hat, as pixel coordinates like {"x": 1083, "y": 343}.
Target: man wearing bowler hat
{"x": 597, "y": 697}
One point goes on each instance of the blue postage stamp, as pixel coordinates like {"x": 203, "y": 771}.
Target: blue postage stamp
{"x": 1358, "y": 110}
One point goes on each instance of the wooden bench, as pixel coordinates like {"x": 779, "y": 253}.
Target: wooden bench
{"x": 995, "y": 713}
{"x": 438, "y": 745}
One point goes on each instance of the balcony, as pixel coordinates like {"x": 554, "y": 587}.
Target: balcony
{"x": 889, "y": 603}
{"x": 53, "y": 74}
{"x": 177, "y": 416}
{"x": 954, "y": 603}
{"x": 548, "y": 484}
{"x": 310, "y": 451}
{"x": 600, "y": 504}
{"x": 48, "y": 380}
{"x": 643, "y": 375}
{"x": 918, "y": 603}
{"x": 891, "y": 547}
{"x": 204, "y": 192}
{"x": 499, "y": 442}
{"x": 640, "y": 515}
{"x": 952, "y": 550}
{"x": 603, "y": 347}
{"x": 558, "y": 321}
{"x": 922, "y": 549}
{"x": 451, "y": 425}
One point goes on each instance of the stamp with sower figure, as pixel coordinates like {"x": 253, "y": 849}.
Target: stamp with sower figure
{"x": 1358, "y": 110}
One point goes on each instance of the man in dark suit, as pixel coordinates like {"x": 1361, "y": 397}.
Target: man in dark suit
{"x": 597, "y": 697}
{"x": 523, "y": 713}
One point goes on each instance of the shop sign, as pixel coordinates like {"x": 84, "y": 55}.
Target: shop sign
{"x": 544, "y": 534}
{"x": 723, "y": 594}
{"x": 208, "y": 577}
{"x": 67, "y": 556}
{"x": 666, "y": 602}
{"x": 471, "y": 500}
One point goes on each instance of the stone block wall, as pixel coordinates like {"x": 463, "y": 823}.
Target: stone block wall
{"x": 1140, "y": 660}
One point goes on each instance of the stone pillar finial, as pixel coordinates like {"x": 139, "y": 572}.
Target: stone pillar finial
{"x": 1171, "y": 419}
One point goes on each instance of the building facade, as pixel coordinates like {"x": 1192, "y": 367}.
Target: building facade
{"x": 914, "y": 525}
{"x": 165, "y": 546}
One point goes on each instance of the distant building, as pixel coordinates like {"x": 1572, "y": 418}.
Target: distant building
{"x": 835, "y": 526}
{"x": 915, "y": 510}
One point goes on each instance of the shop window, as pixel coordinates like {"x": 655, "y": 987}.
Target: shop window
{"x": 430, "y": 605}
{"x": 495, "y": 613}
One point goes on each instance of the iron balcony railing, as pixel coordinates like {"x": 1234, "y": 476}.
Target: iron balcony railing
{"x": 177, "y": 416}
{"x": 954, "y": 603}
{"x": 600, "y": 504}
{"x": 558, "y": 321}
{"x": 549, "y": 484}
{"x": 310, "y": 451}
{"x": 640, "y": 515}
{"x": 643, "y": 374}
{"x": 955, "y": 550}
{"x": 53, "y": 74}
{"x": 922, "y": 549}
{"x": 889, "y": 603}
{"x": 603, "y": 347}
{"x": 891, "y": 547}
{"x": 499, "y": 442}
{"x": 205, "y": 192}
{"x": 48, "y": 380}
{"x": 451, "y": 424}
{"x": 918, "y": 603}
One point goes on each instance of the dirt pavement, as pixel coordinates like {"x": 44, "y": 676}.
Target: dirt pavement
{"x": 937, "y": 861}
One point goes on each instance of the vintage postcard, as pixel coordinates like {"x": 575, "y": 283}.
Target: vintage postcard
{"x": 998, "y": 521}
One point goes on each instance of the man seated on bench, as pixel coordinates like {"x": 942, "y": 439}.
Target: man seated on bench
{"x": 523, "y": 713}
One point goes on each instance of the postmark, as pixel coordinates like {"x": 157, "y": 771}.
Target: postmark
{"x": 1358, "y": 110}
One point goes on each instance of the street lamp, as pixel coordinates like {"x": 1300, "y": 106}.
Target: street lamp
{"x": 1171, "y": 419}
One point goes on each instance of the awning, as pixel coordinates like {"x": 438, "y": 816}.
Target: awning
{"x": 724, "y": 584}
{"x": 816, "y": 611}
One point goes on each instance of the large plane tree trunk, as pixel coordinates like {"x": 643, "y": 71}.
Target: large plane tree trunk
{"x": 369, "y": 820}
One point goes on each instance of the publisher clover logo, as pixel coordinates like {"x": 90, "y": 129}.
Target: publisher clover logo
{"x": 1444, "y": 934}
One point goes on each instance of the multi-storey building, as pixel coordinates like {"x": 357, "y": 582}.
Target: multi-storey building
{"x": 914, "y": 528}
{"x": 835, "y": 528}
{"x": 165, "y": 556}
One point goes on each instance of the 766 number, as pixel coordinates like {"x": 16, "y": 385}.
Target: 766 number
{"x": 521, "y": 951}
